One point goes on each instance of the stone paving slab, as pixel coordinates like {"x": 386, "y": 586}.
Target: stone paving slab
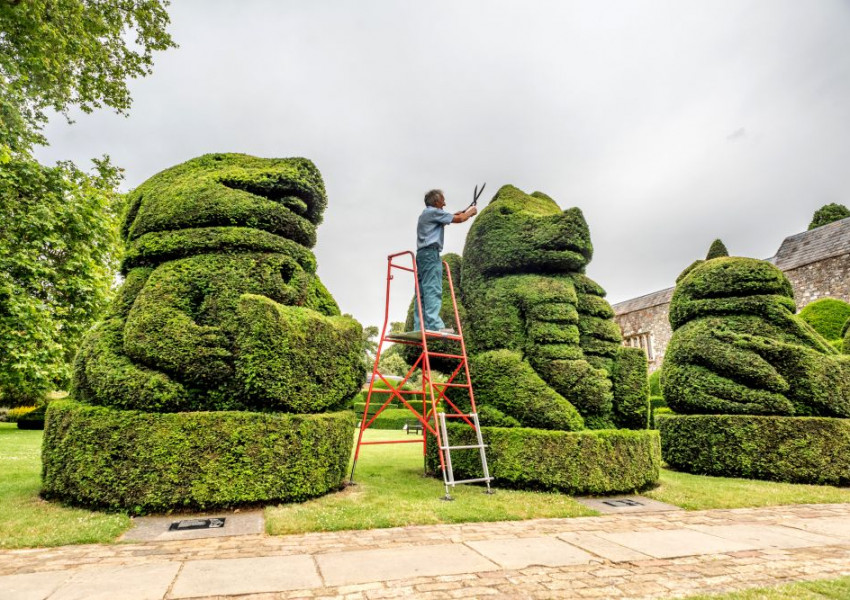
{"x": 603, "y": 548}
{"x": 236, "y": 576}
{"x": 615, "y": 571}
{"x": 833, "y": 527}
{"x": 32, "y": 586}
{"x": 519, "y": 553}
{"x": 131, "y": 582}
{"x": 363, "y": 566}
{"x": 766, "y": 536}
{"x": 675, "y": 543}
{"x": 150, "y": 529}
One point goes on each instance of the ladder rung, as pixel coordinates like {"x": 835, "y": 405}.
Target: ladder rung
{"x": 463, "y": 447}
{"x": 444, "y": 355}
{"x": 471, "y": 480}
{"x": 466, "y": 385}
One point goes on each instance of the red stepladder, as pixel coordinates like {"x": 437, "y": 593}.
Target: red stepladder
{"x": 432, "y": 394}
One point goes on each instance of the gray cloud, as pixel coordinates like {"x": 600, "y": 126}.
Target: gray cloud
{"x": 624, "y": 109}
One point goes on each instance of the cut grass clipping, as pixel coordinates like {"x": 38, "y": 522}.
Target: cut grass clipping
{"x": 25, "y": 519}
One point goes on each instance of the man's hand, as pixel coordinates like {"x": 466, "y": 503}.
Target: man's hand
{"x": 460, "y": 217}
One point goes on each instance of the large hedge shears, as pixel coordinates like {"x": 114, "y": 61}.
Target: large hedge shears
{"x": 475, "y": 196}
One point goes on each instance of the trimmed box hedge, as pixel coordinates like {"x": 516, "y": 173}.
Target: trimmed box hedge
{"x": 574, "y": 462}
{"x": 144, "y": 462}
{"x": 791, "y": 449}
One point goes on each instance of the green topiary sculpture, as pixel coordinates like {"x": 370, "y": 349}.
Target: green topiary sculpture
{"x": 221, "y": 310}
{"x": 846, "y": 333}
{"x": 739, "y": 348}
{"x": 545, "y": 348}
{"x": 546, "y": 357}
{"x": 747, "y": 373}
{"x": 717, "y": 249}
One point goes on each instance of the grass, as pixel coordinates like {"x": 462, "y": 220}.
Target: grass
{"x": 391, "y": 491}
{"x": 700, "y": 492}
{"x": 828, "y": 589}
{"x": 28, "y": 521}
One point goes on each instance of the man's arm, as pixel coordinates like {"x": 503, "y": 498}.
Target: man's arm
{"x": 460, "y": 217}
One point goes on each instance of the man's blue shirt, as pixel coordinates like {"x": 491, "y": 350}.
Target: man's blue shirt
{"x": 430, "y": 228}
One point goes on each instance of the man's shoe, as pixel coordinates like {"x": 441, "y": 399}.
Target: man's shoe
{"x": 448, "y": 330}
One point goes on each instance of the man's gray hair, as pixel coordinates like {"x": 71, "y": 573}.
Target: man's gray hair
{"x": 432, "y": 197}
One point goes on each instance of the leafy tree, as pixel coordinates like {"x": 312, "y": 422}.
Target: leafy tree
{"x": 370, "y": 346}
{"x": 58, "y": 54}
{"x": 59, "y": 249}
{"x": 58, "y": 225}
{"x": 828, "y": 214}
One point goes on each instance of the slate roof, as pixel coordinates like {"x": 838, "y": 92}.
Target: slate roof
{"x": 796, "y": 251}
{"x": 645, "y": 301}
{"x": 818, "y": 244}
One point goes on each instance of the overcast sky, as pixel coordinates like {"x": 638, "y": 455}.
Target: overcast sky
{"x": 669, "y": 123}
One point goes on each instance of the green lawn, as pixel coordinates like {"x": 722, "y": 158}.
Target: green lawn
{"x": 391, "y": 492}
{"x": 25, "y": 519}
{"x": 700, "y": 492}
{"x": 828, "y": 589}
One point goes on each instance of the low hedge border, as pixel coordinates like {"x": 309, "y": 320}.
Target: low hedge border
{"x": 790, "y": 449}
{"x": 605, "y": 461}
{"x": 145, "y": 462}
{"x": 391, "y": 418}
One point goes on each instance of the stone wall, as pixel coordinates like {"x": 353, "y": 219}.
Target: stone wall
{"x": 651, "y": 320}
{"x": 828, "y": 278}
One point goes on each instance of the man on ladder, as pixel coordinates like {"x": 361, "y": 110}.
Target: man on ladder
{"x": 429, "y": 244}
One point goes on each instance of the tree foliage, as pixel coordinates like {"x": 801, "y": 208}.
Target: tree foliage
{"x": 58, "y": 253}
{"x": 57, "y": 54}
{"x": 58, "y": 225}
{"x": 828, "y": 214}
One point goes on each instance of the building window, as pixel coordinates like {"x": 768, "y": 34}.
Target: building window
{"x": 641, "y": 340}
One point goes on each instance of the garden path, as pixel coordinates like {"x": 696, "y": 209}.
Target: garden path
{"x": 650, "y": 555}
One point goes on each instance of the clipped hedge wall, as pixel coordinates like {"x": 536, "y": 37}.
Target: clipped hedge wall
{"x": 145, "y": 462}
{"x": 33, "y": 419}
{"x": 792, "y": 449}
{"x": 392, "y": 418}
{"x": 583, "y": 462}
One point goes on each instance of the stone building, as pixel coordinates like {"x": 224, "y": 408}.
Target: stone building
{"x": 817, "y": 263}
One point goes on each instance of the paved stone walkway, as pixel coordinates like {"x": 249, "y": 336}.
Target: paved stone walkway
{"x": 656, "y": 555}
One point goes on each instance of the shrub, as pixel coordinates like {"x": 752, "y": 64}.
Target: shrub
{"x": 631, "y": 389}
{"x": 828, "y": 214}
{"x": 533, "y": 312}
{"x": 33, "y": 419}
{"x": 16, "y": 413}
{"x": 717, "y": 249}
{"x": 393, "y": 418}
{"x": 585, "y": 462}
{"x": 827, "y": 316}
{"x": 221, "y": 310}
{"x": 793, "y": 449}
{"x": 146, "y": 462}
{"x": 738, "y": 347}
